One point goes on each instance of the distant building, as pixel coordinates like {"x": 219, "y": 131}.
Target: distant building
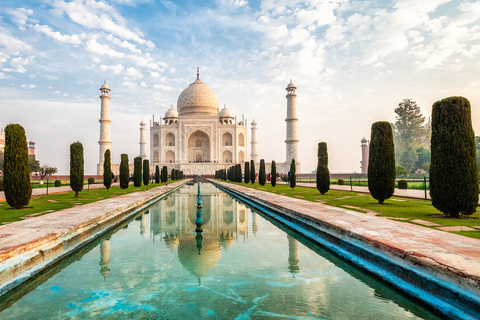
{"x": 31, "y": 144}
{"x": 364, "y": 162}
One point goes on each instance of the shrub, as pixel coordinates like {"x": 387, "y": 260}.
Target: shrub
{"x": 124, "y": 171}
{"x": 453, "y": 168}
{"x": 16, "y": 170}
{"x": 262, "y": 176}
{"x": 115, "y": 179}
{"x": 76, "y": 167}
{"x": 1, "y": 184}
{"x": 137, "y": 172}
{"x": 341, "y": 182}
{"x": 157, "y": 174}
{"x": 107, "y": 169}
{"x": 246, "y": 177}
{"x": 273, "y": 172}
{"x": 293, "y": 175}
{"x": 91, "y": 180}
{"x": 381, "y": 162}
{"x": 58, "y": 183}
{"x": 252, "y": 172}
{"x": 323, "y": 175}
{"x": 146, "y": 172}
{"x": 402, "y": 184}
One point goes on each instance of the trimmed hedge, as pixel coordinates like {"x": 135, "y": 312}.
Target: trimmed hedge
{"x": 124, "y": 171}
{"x": 76, "y": 167}
{"x": 246, "y": 177}
{"x": 91, "y": 180}
{"x": 341, "y": 182}
{"x": 323, "y": 174}
{"x": 381, "y": 162}
{"x": 262, "y": 175}
{"x": 16, "y": 180}
{"x": 274, "y": 174}
{"x": 453, "y": 169}
{"x": 137, "y": 172}
{"x": 293, "y": 175}
{"x": 402, "y": 184}
{"x": 146, "y": 172}
{"x": 107, "y": 169}
{"x": 252, "y": 172}
{"x": 58, "y": 183}
{"x": 157, "y": 174}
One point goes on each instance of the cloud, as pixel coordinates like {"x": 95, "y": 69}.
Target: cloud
{"x": 98, "y": 15}
{"x": 20, "y": 16}
{"x": 115, "y": 69}
{"x": 75, "y": 39}
{"x": 123, "y": 44}
{"x": 95, "y": 47}
{"x": 240, "y": 3}
{"x": 128, "y": 84}
{"x": 163, "y": 87}
{"x": 31, "y": 86}
{"x": 133, "y": 73}
{"x": 10, "y": 44}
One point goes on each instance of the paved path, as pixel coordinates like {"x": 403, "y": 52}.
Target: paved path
{"x": 52, "y": 190}
{"x": 446, "y": 255}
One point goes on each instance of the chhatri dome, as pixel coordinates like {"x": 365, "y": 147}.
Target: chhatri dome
{"x": 198, "y": 98}
{"x": 171, "y": 113}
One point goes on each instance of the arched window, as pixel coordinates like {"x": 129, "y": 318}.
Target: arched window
{"x": 198, "y": 143}
{"x": 170, "y": 157}
{"x": 241, "y": 140}
{"x": 198, "y": 158}
{"x": 241, "y": 157}
{"x": 155, "y": 156}
{"x": 155, "y": 140}
{"x": 227, "y": 139}
{"x": 169, "y": 139}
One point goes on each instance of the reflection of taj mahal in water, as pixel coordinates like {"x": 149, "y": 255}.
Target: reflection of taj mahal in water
{"x": 225, "y": 221}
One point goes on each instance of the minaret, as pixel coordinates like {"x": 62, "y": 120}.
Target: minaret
{"x": 254, "y": 154}
{"x": 291, "y": 120}
{"x": 364, "y": 162}
{"x": 143, "y": 141}
{"x": 31, "y": 148}
{"x": 105, "y": 140}
{"x": 104, "y": 258}
{"x": 293, "y": 255}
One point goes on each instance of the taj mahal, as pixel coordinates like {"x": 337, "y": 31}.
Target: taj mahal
{"x": 198, "y": 137}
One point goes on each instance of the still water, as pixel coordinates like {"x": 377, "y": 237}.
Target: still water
{"x": 242, "y": 266}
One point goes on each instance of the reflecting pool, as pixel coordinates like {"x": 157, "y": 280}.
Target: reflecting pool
{"x": 242, "y": 266}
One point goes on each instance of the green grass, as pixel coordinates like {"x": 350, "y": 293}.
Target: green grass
{"x": 409, "y": 209}
{"x": 55, "y": 202}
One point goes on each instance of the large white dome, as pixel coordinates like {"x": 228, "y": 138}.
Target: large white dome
{"x": 198, "y": 98}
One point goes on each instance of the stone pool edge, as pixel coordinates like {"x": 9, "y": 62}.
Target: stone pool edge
{"x": 23, "y": 261}
{"x": 416, "y": 277}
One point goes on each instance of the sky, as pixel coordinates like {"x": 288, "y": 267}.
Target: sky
{"x": 352, "y": 63}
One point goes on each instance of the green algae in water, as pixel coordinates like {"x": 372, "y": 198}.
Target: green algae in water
{"x": 241, "y": 266}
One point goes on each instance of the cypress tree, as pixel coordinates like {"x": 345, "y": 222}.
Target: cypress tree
{"x": 157, "y": 174}
{"x": 164, "y": 174}
{"x": 252, "y": 171}
{"x": 124, "y": 171}
{"x": 146, "y": 172}
{"x": 172, "y": 175}
{"x": 76, "y": 167}
{"x": 453, "y": 169}
{"x": 274, "y": 173}
{"x": 323, "y": 175}
{"x": 137, "y": 172}
{"x": 107, "y": 169}
{"x": 238, "y": 168}
{"x": 16, "y": 183}
{"x": 262, "y": 175}
{"x": 293, "y": 175}
{"x": 247, "y": 172}
{"x": 381, "y": 162}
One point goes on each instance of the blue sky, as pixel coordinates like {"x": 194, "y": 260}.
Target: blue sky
{"x": 352, "y": 61}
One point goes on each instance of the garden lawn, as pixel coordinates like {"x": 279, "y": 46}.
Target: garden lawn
{"x": 401, "y": 209}
{"x": 40, "y": 205}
